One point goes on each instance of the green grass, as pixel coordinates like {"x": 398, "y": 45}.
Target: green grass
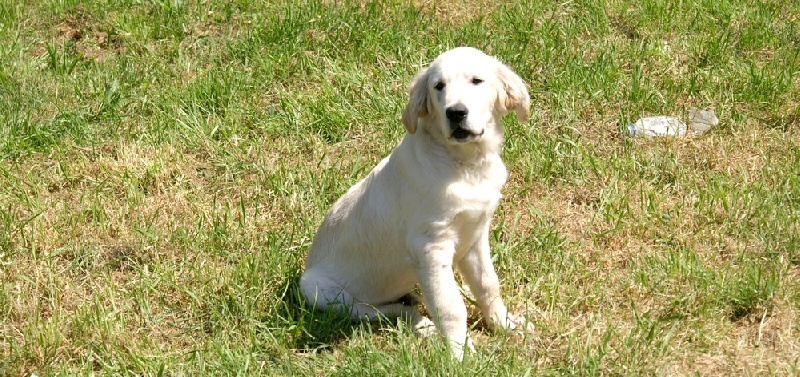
{"x": 164, "y": 166}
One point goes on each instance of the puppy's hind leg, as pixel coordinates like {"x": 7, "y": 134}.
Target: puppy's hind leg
{"x": 324, "y": 293}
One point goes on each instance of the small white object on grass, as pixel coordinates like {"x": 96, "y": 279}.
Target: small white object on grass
{"x": 660, "y": 125}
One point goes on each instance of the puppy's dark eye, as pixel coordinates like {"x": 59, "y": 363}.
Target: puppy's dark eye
{"x": 476, "y": 80}
{"x": 439, "y": 86}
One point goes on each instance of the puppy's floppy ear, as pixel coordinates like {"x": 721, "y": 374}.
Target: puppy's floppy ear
{"x": 514, "y": 94}
{"x": 418, "y": 101}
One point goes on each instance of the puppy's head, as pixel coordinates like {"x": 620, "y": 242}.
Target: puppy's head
{"x": 463, "y": 94}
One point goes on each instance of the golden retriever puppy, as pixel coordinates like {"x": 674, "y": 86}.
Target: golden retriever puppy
{"x": 424, "y": 211}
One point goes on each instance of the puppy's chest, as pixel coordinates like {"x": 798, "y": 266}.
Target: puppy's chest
{"x": 475, "y": 193}
{"x": 472, "y": 205}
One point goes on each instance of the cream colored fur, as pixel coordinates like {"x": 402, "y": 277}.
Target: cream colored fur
{"x": 424, "y": 211}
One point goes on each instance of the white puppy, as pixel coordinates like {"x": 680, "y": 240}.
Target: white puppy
{"x": 426, "y": 208}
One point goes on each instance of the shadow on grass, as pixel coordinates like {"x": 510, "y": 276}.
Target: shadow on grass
{"x": 309, "y": 329}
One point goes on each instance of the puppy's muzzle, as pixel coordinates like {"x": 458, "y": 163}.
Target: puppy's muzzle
{"x": 457, "y": 115}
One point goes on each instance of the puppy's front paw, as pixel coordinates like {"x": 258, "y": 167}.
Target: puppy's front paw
{"x": 459, "y": 349}
{"x": 515, "y": 323}
{"x": 423, "y": 326}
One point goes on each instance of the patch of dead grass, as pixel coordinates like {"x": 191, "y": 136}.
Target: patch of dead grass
{"x": 762, "y": 343}
{"x": 91, "y": 37}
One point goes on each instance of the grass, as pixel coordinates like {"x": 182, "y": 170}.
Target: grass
{"x": 164, "y": 165}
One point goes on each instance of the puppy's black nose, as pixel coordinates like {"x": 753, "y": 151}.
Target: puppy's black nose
{"x": 456, "y": 113}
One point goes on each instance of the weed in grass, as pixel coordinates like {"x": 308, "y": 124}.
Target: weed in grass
{"x": 62, "y": 61}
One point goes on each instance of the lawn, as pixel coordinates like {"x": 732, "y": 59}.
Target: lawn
{"x": 164, "y": 165}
